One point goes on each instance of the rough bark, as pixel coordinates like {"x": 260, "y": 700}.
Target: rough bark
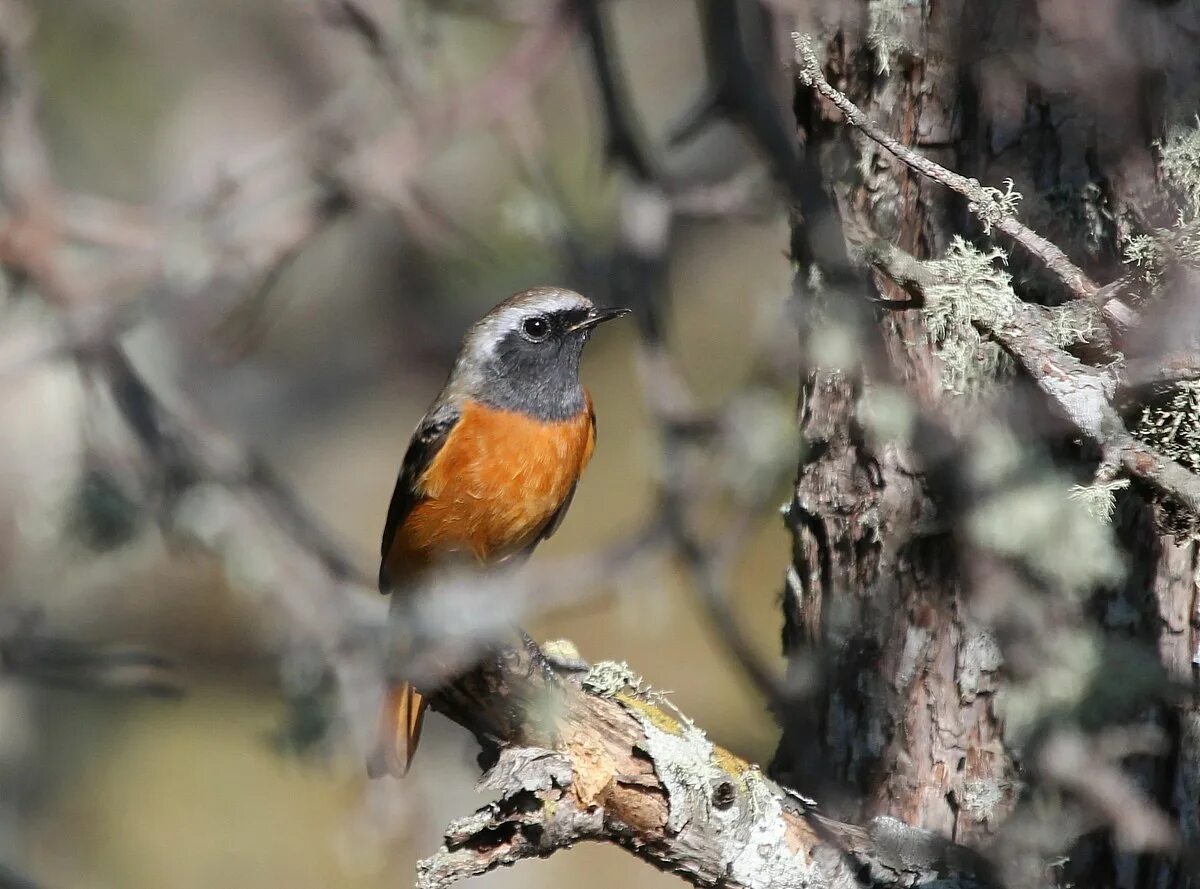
{"x": 597, "y": 756}
{"x": 904, "y": 720}
{"x": 1067, "y": 105}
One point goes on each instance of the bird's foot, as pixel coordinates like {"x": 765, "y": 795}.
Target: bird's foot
{"x": 564, "y": 656}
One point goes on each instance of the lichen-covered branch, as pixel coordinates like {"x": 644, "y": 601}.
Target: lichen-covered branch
{"x": 1084, "y": 394}
{"x": 598, "y": 756}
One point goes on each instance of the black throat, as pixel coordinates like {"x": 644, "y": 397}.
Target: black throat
{"x": 537, "y": 379}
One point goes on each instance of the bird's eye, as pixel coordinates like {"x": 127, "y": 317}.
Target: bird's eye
{"x": 536, "y": 328}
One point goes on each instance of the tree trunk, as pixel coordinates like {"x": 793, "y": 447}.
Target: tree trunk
{"x": 1066, "y": 101}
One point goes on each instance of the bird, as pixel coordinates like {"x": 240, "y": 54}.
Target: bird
{"x": 491, "y": 468}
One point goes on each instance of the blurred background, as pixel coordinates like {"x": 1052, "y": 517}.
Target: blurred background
{"x": 317, "y": 324}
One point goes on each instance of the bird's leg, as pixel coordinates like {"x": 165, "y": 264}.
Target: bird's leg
{"x": 538, "y": 660}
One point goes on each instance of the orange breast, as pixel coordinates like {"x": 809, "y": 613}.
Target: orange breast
{"x": 493, "y": 486}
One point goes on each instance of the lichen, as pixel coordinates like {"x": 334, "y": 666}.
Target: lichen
{"x": 1055, "y": 536}
{"x": 683, "y": 760}
{"x": 1068, "y": 670}
{"x": 982, "y": 798}
{"x": 608, "y": 678}
{"x": 1156, "y": 254}
{"x": 1172, "y": 424}
{"x": 883, "y": 32}
{"x": 979, "y": 659}
{"x": 967, "y": 288}
{"x": 749, "y": 824}
{"x": 1067, "y": 326}
{"x": 1146, "y": 253}
{"x": 1099, "y": 498}
{"x": 993, "y": 206}
{"x": 761, "y": 858}
{"x": 888, "y": 413}
{"x": 761, "y": 437}
{"x": 1181, "y": 165}
{"x": 531, "y": 215}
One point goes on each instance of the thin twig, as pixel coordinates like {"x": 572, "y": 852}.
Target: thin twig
{"x": 987, "y": 203}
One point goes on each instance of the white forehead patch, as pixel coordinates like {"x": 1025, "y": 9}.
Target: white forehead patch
{"x": 508, "y": 315}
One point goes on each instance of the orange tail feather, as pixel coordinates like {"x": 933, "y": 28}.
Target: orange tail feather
{"x": 399, "y": 731}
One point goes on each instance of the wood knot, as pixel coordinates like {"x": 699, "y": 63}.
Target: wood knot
{"x": 723, "y": 795}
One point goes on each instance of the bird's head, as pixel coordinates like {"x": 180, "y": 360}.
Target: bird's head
{"x": 523, "y": 355}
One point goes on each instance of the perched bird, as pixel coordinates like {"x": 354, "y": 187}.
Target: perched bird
{"x": 492, "y": 467}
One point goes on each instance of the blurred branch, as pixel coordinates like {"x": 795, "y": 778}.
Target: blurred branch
{"x": 599, "y": 756}
{"x": 12, "y": 879}
{"x": 623, "y": 141}
{"x": 737, "y": 87}
{"x": 249, "y": 225}
{"x": 644, "y": 227}
{"x": 186, "y": 454}
{"x": 647, "y": 210}
{"x": 65, "y": 663}
{"x": 1074, "y": 763}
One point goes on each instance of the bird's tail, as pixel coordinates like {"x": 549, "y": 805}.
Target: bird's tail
{"x": 399, "y": 731}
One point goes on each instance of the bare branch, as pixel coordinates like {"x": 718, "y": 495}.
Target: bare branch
{"x": 66, "y": 663}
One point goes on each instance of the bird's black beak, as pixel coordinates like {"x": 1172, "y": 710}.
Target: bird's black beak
{"x": 598, "y": 316}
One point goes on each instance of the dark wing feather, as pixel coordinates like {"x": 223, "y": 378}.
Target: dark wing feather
{"x": 427, "y": 440}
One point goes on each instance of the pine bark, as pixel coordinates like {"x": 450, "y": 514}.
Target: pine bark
{"x": 1066, "y": 101}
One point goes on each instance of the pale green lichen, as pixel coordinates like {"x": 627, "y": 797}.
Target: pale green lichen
{"x": 1156, "y": 253}
{"x": 997, "y": 454}
{"x": 1147, "y": 254}
{"x": 531, "y": 215}
{"x": 1067, "y": 326}
{"x": 615, "y": 679}
{"x": 608, "y": 678}
{"x": 1181, "y": 165}
{"x": 1172, "y": 424}
{"x": 762, "y": 445}
{"x": 683, "y": 762}
{"x": 884, "y": 25}
{"x": 1055, "y": 536}
{"x": 992, "y": 206}
{"x": 967, "y": 287}
{"x": 815, "y": 279}
{"x": 751, "y": 830}
{"x": 983, "y": 799}
{"x": 803, "y": 44}
{"x": 979, "y": 660}
{"x": 1099, "y": 498}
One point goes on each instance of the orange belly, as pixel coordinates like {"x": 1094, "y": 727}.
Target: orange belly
{"x": 492, "y": 488}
